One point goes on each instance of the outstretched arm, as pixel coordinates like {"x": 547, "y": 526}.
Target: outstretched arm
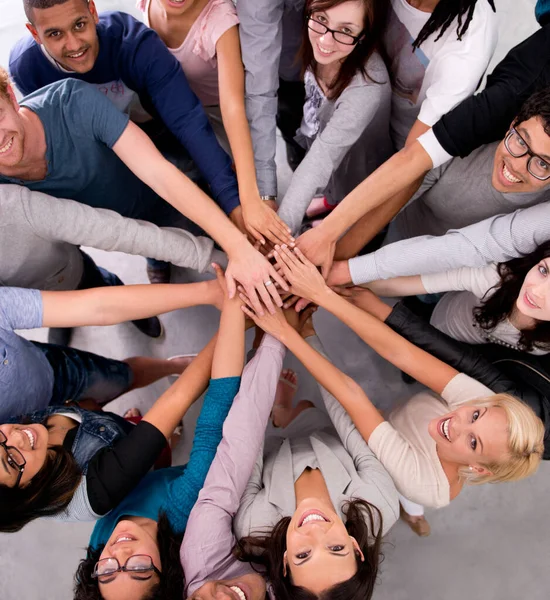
{"x": 392, "y": 179}
{"x": 307, "y": 282}
{"x": 261, "y": 221}
{"x": 116, "y": 304}
{"x": 246, "y": 264}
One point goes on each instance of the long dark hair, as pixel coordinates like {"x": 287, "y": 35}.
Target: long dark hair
{"x": 49, "y": 492}
{"x": 373, "y": 28}
{"x": 500, "y": 304}
{"x": 444, "y": 14}
{"x": 171, "y": 584}
{"x": 266, "y": 553}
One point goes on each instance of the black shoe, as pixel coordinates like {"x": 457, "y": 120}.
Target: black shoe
{"x": 151, "y": 327}
{"x": 61, "y": 336}
{"x": 294, "y": 155}
{"x": 159, "y": 274}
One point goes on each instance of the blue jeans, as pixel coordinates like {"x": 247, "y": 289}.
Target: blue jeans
{"x": 80, "y": 375}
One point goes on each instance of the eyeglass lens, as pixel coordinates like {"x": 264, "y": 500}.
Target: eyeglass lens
{"x": 536, "y": 165}
{"x": 138, "y": 563}
{"x": 15, "y": 457}
{"x": 339, "y": 36}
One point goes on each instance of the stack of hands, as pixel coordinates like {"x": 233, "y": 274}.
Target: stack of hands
{"x": 296, "y": 284}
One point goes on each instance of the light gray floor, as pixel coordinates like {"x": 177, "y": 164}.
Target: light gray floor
{"x": 491, "y": 543}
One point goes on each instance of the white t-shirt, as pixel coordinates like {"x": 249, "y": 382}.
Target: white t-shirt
{"x": 430, "y": 81}
{"x": 454, "y": 313}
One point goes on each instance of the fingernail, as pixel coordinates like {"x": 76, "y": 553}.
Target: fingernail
{"x": 284, "y": 246}
{"x": 277, "y": 246}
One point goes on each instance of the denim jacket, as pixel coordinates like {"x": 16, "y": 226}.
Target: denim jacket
{"x": 97, "y": 430}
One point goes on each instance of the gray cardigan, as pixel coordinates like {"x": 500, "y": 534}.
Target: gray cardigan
{"x": 349, "y": 467}
{"x": 40, "y": 235}
{"x": 353, "y": 141}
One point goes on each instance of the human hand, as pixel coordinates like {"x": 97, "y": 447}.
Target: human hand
{"x": 257, "y": 276}
{"x": 301, "y": 322}
{"x": 263, "y": 223}
{"x": 318, "y": 248}
{"x": 216, "y": 287}
{"x": 339, "y": 273}
{"x": 273, "y": 323}
{"x": 303, "y": 276}
{"x": 364, "y": 299}
{"x": 222, "y": 287}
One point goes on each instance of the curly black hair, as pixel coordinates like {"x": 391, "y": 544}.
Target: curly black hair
{"x": 266, "y": 554}
{"x": 500, "y": 304}
{"x": 171, "y": 584}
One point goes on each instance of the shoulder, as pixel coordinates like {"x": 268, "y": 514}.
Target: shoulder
{"x": 122, "y": 31}
{"x": 23, "y": 51}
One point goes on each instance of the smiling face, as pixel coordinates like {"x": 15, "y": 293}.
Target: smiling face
{"x": 138, "y": 536}
{"x": 12, "y": 133}
{"x": 348, "y": 17}
{"x": 32, "y": 443}
{"x": 68, "y": 32}
{"x": 471, "y": 435}
{"x": 320, "y": 552}
{"x": 246, "y": 587}
{"x": 534, "y": 298}
{"x": 510, "y": 175}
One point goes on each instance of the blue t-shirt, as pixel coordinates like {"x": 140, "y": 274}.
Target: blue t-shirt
{"x": 81, "y": 127}
{"x": 26, "y": 376}
{"x": 174, "y": 491}
{"x": 132, "y": 53}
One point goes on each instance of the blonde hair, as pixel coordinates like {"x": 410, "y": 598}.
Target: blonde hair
{"x": 4, "y": 82}
{"x": 525, "y": 443}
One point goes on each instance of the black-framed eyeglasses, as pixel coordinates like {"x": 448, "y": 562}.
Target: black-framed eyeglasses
{"x": 518, "y": 147}
{"x": 140, "y": 565}
{"x": 339, "y": 36}
{"x": 15, "y": 459}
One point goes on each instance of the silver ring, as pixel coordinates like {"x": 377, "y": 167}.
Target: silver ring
{"x": 268, "y": 282}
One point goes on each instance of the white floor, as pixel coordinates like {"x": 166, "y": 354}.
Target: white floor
{"x": 491, "y": 543}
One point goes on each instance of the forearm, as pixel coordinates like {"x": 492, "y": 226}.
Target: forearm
{"x": 229, "y": 353}
{"x": 117, "y": 304}
{"x": 238, "y": 133}
{"x": 405, "y": 356}
{"x": 397, "y": 286}
{"x": 390, "y": 179}
{"x": 369, "y": 225}
{"x": 343, "y": 388}
{"x": 171, "y": 407}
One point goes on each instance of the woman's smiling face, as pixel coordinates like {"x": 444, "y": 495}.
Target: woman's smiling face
{"x": 347, "y": 17}
{"x": 471, "y": 435}
{"x": 32, "y": 443}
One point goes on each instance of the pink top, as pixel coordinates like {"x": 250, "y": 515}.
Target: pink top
{"x": 197, "y": 54}
{"x": 206, "y": 551}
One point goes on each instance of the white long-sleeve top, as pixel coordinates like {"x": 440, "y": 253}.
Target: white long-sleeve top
{"x": 454, "y": 314}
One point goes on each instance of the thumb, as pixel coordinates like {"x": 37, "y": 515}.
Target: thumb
{"x": 231, "y": 285}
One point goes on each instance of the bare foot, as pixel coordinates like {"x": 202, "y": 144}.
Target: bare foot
{"x": 132, "y": 412}
{"x": 286, "y": 389}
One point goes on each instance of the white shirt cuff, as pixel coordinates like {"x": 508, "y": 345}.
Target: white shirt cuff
{"x": 434, "y": 149}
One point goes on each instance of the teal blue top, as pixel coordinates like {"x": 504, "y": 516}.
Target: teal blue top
{"x": 175, "y": 490}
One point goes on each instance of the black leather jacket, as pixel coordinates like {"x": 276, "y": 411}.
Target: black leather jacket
{"x": 499, "y": 368}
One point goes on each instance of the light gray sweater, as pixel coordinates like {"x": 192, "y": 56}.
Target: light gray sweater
{"x": 40, "y": 235}
{"x": 353, "y": 141}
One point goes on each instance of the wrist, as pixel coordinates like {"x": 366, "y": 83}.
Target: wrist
{"x": 322, "y": 296}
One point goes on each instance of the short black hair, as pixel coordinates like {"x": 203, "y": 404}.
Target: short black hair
{"x": 30, "y": 5}
{"x": 537, "y": 105}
